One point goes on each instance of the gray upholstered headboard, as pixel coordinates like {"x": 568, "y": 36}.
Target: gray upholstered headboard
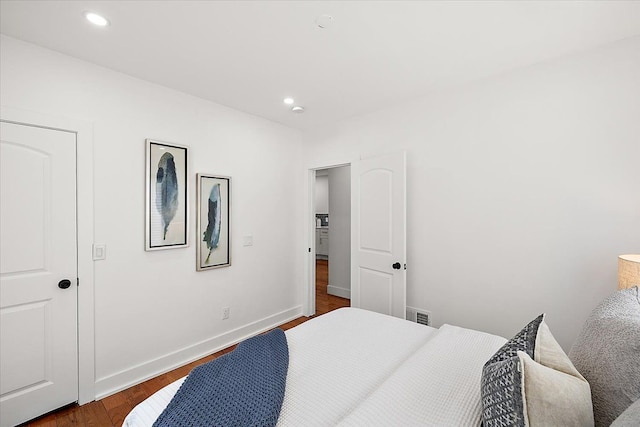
{"x": 607, "y": 354}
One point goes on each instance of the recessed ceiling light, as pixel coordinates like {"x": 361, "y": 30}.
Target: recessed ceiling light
{"x": 297, "y": 109}
{"x": 96, "y": 19}
{"x": 288, "y": 101}
{"x": 324, "y": 21}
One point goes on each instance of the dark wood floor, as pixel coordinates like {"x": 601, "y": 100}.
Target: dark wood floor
{"x": 111, "y": 411}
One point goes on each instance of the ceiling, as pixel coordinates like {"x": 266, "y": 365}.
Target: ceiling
{"x": 249, "y": 55}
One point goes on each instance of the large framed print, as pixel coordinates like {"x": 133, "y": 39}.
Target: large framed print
{"x": 213, "y": 194}
{"x": 167, "y": 210}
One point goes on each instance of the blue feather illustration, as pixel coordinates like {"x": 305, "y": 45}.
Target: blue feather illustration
{"x": 166, "y": 190}
{"x": 212, "y": 233}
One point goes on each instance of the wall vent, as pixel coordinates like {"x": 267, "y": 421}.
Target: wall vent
{"x": 419, "y": 315}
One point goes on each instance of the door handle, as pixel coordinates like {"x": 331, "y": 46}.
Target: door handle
{"x": 396, "y": 266}
{"x": 64, "y": 283}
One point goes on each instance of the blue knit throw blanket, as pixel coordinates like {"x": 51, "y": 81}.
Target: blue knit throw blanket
{"x": 241, "y": 388}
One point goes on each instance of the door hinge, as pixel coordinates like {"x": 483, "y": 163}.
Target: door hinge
{"x": 78, "y": 281}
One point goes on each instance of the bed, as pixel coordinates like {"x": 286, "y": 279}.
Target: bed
{"x": 354, "y": 367}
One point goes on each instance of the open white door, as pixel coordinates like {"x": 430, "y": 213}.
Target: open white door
{"x": 378, "y": 234}
{"x": 38, "y": 272}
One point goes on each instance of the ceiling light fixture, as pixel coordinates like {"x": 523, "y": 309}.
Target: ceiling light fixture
{"x": 288, "y": 101}
{"x": 96, "y": 19}
{"x": 297, "y": 109}
{"x": 324, "y": 21}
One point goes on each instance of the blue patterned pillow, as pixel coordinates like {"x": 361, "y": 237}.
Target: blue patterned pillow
{"x": 525, "y": 340}
{"x": 531, "y": 381}
{"x": 502, "y": 381}
{"x": 502, "y": 401}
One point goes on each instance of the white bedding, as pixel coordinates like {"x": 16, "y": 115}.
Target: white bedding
{"x": 339, "y": 358}
{"x": 439, "y": 385}
{"x": 354, "y": 367}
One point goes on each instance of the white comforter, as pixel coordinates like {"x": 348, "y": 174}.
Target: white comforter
{"x": 358, "y": 368}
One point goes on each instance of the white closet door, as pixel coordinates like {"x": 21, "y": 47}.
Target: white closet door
{"x": 38, "y": 272}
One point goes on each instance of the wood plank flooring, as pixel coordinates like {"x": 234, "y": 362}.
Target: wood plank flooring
{"x": 111, "y": 411}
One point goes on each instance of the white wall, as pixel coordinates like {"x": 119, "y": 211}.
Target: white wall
{"x": 522, "y": 189}
{"x": 340, "y": 231}
{"x": 153, "y": 310}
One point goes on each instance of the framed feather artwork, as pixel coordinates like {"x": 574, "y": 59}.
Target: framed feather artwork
{"x": 167, "y": 210}
{"x": 213, "y": 194}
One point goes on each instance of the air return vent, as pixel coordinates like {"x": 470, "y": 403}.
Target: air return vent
{"x": 423, "y": 318}
{"x": 418, "y": 315}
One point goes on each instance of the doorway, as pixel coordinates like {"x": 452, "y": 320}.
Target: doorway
{"x": 332, "y": 219}
{"x": 377, "y": 235}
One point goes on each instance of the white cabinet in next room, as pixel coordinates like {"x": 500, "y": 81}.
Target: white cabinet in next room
{"x": 322, "y": 242}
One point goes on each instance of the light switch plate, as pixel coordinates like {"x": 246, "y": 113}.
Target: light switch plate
{"x": 99, "y": 252}
{"x": 247, "y": 241}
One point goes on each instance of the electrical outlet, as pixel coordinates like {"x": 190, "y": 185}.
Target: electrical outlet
{"x": 225, "y": 313}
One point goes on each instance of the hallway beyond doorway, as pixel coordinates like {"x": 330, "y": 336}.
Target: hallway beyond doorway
{"x": 326, "y": 302}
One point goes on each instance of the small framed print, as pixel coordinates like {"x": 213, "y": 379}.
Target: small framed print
{"x": 167, "y": 211}
{"x": 213, "y": 194}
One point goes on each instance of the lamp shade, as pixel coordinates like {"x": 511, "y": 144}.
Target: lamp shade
{"x": 628, "y": 271}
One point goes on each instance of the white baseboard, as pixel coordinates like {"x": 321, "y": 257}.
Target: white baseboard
{"x": 122, "y": 380}
{"x": 339, "y": 292}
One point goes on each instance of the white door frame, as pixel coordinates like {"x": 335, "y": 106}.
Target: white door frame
{"x": 309, "y": 292}
{"x": 84, "y": 206}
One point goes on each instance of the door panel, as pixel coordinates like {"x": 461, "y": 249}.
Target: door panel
{"x": 38, "y": 320}
{"x": 24, "y": 248}
{"x": 379, "y": 294}
{"x": 24, "y": 326}
{"x": 378, "y": 239}
{"x": 376, "y": 187}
